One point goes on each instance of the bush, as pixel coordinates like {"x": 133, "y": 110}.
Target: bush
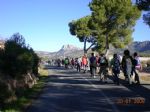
{"x": 5, "y": 93}
{"x": 148, "y": 63}
{"x": 17, "y": 59}
{"x": 145, "y": 63}
{"x": 144, "y": 54}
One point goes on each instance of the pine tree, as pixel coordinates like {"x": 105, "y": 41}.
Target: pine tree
{"x": 80, "y": 29}
{"x": 113, "y": 22}
{"x": 145, "y": 6}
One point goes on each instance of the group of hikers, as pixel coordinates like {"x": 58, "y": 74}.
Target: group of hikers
{"x": 129, "y": 65}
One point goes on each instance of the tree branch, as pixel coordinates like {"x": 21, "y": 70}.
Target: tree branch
{"x": 90, "y": 46}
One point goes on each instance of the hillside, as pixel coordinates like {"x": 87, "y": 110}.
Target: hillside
{"x": 142, "y": 46}
{"x": 73, "y": 51}
{"x": 65, "y": 51}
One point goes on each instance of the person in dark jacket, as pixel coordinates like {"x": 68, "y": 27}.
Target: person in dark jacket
{"x": 93, "y": 65}
{"x": 136, "y": 67}
{"x": 103, "y": 62}
{"x": 127, "y": 64}
{"x": 115, "y": 65}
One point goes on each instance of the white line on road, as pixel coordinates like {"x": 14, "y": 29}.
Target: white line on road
{"x": 103, "y": 94}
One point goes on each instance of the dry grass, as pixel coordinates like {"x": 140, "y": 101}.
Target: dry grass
{"x": 43, "y": 72}
{"x": 145, "y": 78}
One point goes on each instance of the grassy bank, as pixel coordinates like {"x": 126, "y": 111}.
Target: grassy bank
{"x": 145, "y": 78}
{"x": 28, "y": 95}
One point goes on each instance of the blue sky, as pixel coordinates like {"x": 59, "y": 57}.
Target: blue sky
{"x": 44, "y": 23}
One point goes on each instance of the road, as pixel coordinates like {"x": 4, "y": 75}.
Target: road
{"x": 70, "y": 91}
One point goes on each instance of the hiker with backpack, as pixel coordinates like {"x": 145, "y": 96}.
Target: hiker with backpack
{"x": 72, "y": 63}
{"x": 78, "y": 64}
{"x": 66, "y": 63}
{"x": 93, "y": 65}
{"x": 103, "y": 63}
{"x": 97, "y": 63}
{"x": 115, "y": 65}
{"x": 127, "y": 64}
{"x": 136, "y": 67}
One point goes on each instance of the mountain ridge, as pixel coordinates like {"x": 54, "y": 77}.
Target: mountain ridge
{"x": 65, "y": 51}
{"x": 73, "y": 51}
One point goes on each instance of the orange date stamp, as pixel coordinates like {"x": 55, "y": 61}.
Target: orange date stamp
{"x": 136, "y": 100}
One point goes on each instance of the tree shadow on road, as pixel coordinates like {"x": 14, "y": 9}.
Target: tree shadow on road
{"x": 137, "y": 89}
{"x": 70, "y": 91}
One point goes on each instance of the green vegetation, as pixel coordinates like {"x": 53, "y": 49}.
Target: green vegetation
{"x": 148, "y": 63}
{"x": 111, "y": 22}
{"x": 145, "y": 63}
{"x": 145, "y": 6}
{"x": 17, "y": 59}
{"x": 43, "y": 72}
{"x": 28, "y": 95}
{"x": 144, "y": 54}
{"x": 18, "y": 74}
{"x": 81, "y": 30}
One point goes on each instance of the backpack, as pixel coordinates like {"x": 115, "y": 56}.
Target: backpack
{"x": 93, "y": 62}
{"x": 102, "y": 60}
{"x": 128, "y": 65}
{"x": 116, "y": 65}
{"x": 66, "y": 61}
{"x": 137, "y": 63}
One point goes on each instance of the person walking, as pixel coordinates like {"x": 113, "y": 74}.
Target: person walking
{"x": 97, "y": 63}
{"x": 127, "y": 64}
{"x": 78, "y": 63}
{"x": 72, "y": 63}
{"x": 103, "y": 62}
{"x": 67, "y": 63}
{"x": 115, "y": 65}
{"x": 84, "y": 62}
{"x": 136, "y": 67}
{"x": 93, "y": 65}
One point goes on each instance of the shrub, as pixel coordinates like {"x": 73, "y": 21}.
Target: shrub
{"x": 148, "y": 63}
{"x": 144, "y": 54}
{"x": 17, "y": 59}
{"x": 145, "y": 63}
{"x": 5, "y": 93}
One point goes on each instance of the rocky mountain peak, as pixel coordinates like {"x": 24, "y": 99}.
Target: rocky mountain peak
{"x": 69, "y": 47}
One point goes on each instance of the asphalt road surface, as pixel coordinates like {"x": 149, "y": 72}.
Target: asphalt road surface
{"x": 70, "y": 91}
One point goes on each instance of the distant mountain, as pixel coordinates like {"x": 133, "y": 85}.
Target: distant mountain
{"x": 65, "y": 51}
{"x": 68, "y": 48}
{"x": 73, "y": 51}
{"x": 141, "y": 46}
{"x": 44, "y": 53}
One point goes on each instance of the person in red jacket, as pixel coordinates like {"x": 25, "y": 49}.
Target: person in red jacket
{"x": 84, "y": 62}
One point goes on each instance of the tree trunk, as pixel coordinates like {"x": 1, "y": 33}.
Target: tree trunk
{"x": 107, "y": 46}
{"x": 86, "y": 49}
{"x": 85, "y": 39}
{"x": 106, "y": 52}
